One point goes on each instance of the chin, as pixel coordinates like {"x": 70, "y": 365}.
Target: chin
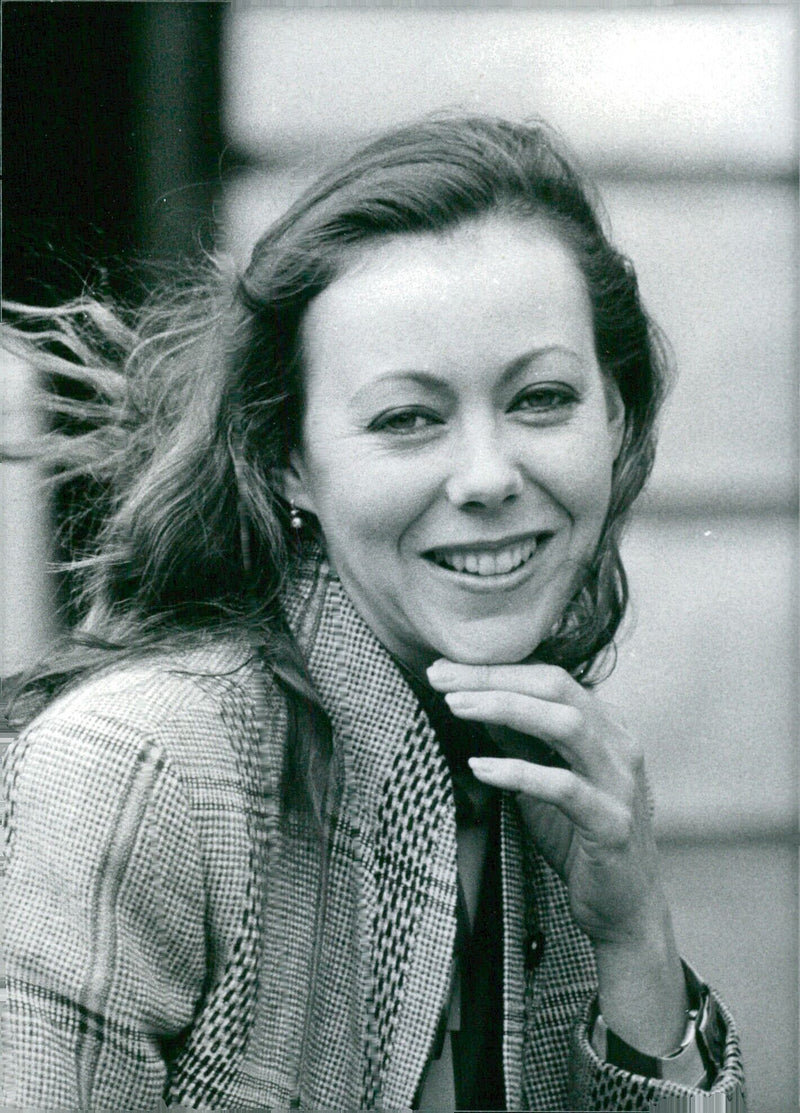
{"x": 490, "y": 649}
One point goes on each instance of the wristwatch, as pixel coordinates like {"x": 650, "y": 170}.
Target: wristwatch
{"x": 694, "y": 1063}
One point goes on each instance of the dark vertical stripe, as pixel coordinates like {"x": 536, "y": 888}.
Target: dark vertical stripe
{"x": 104, "y": 951}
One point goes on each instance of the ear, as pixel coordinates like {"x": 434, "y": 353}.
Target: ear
{"x": 294, "y": 485}
{"x": 616, "y": 415}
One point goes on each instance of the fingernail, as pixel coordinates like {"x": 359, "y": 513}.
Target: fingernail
{"x": 482, "y": 764}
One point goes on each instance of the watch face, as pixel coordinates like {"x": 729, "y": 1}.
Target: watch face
{"x": 711, "y": 1032}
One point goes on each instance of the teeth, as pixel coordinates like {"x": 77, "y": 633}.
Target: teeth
{"x": 505, "y": 561}
{"x": 486, "y": 564}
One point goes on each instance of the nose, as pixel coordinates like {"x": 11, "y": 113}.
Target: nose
{"x": 485, "y": 475}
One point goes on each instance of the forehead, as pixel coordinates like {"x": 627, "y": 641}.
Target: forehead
{"x": 479, "y": 290}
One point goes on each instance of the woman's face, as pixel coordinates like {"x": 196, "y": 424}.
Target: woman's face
{"x": 458, "y": 438}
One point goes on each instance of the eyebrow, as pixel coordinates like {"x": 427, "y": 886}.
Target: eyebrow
{"x": 520, "y": 363}
{"x": 435, "y": 382}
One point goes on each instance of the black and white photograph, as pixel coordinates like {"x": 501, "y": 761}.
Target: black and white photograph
{"x": 399, "y": 550}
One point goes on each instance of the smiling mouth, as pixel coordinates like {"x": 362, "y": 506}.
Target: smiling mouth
{"x": 485, "y": 561}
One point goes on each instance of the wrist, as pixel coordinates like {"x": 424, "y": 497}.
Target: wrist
{"x": 642, "y": 991}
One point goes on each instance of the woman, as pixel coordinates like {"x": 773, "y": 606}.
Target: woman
{"x": 326, "y": 813}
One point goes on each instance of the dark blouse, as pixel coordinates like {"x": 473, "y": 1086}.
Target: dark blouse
{"x": 477, "y": 1041}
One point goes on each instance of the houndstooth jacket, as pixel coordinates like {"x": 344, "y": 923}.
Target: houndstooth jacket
{"x": 171, "y": 938}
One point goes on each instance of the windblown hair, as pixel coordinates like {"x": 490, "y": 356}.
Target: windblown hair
{"x": 197, "y": 401}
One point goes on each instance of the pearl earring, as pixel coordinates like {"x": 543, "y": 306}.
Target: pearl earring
{"x": 295, "y": 517}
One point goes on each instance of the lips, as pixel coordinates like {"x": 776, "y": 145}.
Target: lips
{"x": 487, "y": 559}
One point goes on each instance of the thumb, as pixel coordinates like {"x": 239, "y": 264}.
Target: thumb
{"x": 550, "y": 831}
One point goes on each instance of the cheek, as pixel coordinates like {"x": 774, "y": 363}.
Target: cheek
{"x": 371, "y": 497}
{"x": 579, "y": 474}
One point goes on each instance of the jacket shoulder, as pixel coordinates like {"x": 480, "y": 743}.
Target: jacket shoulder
{"x": 209, "y": 710}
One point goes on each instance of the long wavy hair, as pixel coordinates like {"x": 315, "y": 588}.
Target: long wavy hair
{"x": 192, "y": 405}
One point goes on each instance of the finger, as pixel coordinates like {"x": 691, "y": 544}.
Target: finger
{"x": 595, "y": 814}
{"x": 547, "y": 682}
{"x": 559, "y": 725}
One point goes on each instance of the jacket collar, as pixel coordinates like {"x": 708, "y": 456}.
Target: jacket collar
{"x": 398, "y": 802}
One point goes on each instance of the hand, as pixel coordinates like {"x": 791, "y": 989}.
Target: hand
{"x": 589, "y": 820}
{"x": 589, "y": 817}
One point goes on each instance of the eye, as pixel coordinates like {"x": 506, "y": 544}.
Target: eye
{"x": 545, "y": 399}
{"x": 404, "y": 421}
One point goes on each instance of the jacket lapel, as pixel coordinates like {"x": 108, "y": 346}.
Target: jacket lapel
{"x": 400, "y": 821}
{"x": 519, "y": 929}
